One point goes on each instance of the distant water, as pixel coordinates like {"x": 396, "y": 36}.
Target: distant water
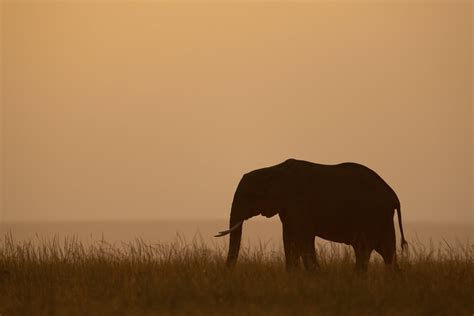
{"x": 256, "y": 232}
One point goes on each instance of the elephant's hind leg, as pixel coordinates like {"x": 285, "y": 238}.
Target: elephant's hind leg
{"x": 388, "y": 253}
{"x": 390, "y": 260}
{"x": 309, "y": 254}
{"x": 362, "y": 258}
{"x": 362, "y": 251}
{"x": 387, "y": 247}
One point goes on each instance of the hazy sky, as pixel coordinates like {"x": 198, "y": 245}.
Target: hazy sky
{"x": 116, "y": 110}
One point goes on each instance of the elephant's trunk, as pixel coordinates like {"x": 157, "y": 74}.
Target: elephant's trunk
{"x": 234, "y": 241}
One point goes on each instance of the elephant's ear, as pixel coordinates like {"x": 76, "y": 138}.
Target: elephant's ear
{"x": 280, "y": 189}
{"x": 272, "y": 196}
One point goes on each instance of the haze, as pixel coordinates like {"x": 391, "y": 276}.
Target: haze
{"x": 153, "y": 110}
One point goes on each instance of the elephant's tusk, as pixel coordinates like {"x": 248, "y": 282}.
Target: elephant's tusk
{"x": 225, "y": 232}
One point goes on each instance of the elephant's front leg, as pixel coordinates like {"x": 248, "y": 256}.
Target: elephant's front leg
{"x": 292, "y": 247}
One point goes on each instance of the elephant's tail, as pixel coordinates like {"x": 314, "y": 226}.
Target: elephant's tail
{"x": 403, "y": 243}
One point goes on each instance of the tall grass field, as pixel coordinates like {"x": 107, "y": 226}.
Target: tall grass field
{"x": 66, "y": 277}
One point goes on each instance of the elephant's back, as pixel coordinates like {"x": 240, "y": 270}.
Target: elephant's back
{"x": 347, "y": 171}
{"x": 348, "y": 183}
{"x": 369, "y": 179}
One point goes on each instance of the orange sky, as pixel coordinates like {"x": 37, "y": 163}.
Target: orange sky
{"x": 155, "y": 110}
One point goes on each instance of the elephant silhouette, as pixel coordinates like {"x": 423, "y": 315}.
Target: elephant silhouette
{"x": 346, "y": 203}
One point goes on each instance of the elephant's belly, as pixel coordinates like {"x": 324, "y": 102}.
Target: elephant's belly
{"x": 338, "y": 231}
{"x": 335, "y": 237}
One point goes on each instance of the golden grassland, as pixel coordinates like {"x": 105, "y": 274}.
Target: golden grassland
{"x": 66, "y": 277}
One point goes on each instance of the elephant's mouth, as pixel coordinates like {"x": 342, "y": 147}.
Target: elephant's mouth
{"x": 226, "y": 232}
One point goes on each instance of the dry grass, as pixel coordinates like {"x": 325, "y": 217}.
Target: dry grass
{"x": 68, "y": 278}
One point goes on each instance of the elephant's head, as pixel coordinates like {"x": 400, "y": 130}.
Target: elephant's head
{"x": 257, "y": 193}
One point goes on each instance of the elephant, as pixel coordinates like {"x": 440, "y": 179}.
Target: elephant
{"x": 346, "y": 203}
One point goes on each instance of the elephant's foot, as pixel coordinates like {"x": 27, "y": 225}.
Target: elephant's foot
{"x": 310, "y": 262}
{"x": 361, "y": 268}
{"x": 292, "y": 264}
{"x": 291, "y": 268}
{"x": 394, "y": 267}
